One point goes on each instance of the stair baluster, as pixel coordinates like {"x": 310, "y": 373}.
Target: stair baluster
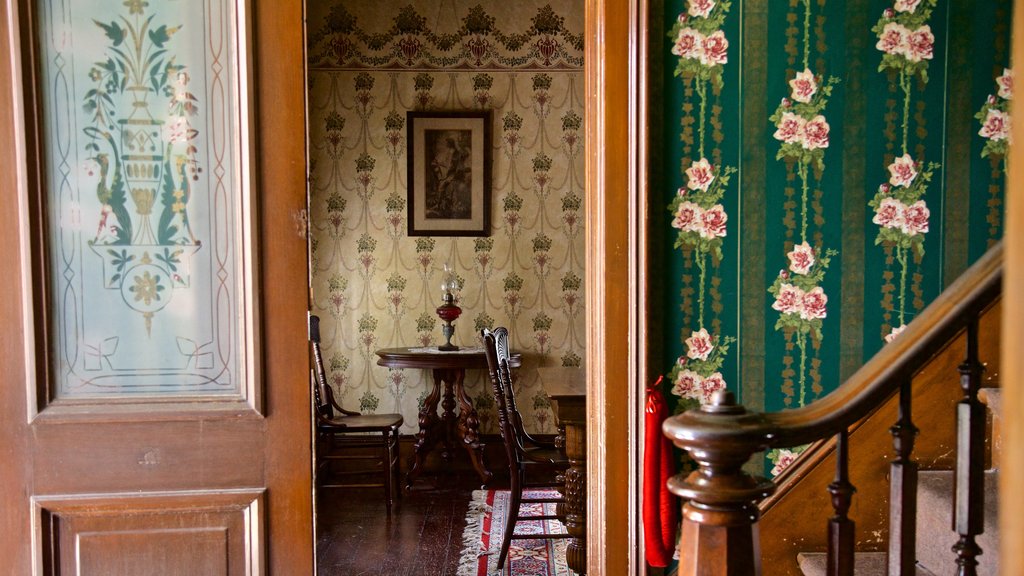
{"x": 903, "y": 490}
{"x": 840, "y": 527}
{"x": 969, "y": 491}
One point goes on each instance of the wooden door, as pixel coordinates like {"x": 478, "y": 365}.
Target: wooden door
{"x": 130, "y": 445}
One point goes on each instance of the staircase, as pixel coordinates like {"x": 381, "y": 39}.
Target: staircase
{"x": 935, "y": 536}
{"x": 912, "y": 488}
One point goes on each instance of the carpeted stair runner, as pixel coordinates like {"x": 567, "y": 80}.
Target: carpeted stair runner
{"x": 865, "y": 564}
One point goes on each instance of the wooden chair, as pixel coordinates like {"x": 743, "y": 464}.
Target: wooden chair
{"x": 523, "y": 450}
{"x": 346, "y": 435}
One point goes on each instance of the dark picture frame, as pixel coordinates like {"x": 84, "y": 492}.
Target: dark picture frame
{"x": 449, "y": 175}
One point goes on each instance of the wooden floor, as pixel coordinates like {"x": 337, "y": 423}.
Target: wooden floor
{"x": 355, "y": 537}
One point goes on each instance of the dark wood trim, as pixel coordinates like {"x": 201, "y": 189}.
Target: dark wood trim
{"x": 280, "y": 150}
{"x": 27, "y": 44}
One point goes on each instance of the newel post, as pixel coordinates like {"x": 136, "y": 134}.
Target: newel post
{"x": 720, "y": 500}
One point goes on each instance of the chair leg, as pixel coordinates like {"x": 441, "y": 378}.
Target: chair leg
{"x": 515, "y": 497}
{"x": 394, "y": 465}
{"x": 388, "y": 455}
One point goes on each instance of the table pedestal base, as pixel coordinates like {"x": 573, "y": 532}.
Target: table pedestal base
{"x": 448, "y": 427}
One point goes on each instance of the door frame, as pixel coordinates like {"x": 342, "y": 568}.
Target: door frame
{"x": 616, "y": 69}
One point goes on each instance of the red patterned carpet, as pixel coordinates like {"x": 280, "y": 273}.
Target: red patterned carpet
{"x": 485, "y": 523}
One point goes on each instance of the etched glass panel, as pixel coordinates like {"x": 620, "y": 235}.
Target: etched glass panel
{"x": 145, "y": 192}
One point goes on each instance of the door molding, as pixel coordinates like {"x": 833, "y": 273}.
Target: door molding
{"x": 615, "y": 66}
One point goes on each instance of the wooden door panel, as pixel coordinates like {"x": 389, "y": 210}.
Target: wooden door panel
{"x": 188, "y": 533}
{"x": 137, "y": 484}
{"x": 129, "y": 456}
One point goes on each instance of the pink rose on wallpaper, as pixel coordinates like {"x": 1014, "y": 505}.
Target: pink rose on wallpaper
{"x": 699, "y": 345}
{"x": 895, "y": 332}
{"x": 716, "y": 48}
{"x": 790, "y": 299}
{"x": 889, "y": 213}
{"x": 681, "y": 191}
{"x": 894, "y": 39}
{"x": 700, "y": 175}
{"x": 996, "y": 125}
{"x": 687, "y": 384}
{"x": 1005, "y": 83}
{"x": 915, "y": 219}
{"x": 689, "y": 44}
{"x": 902, "y": 171}
{"x": 688, "y": 217}
{"x": 920, "y": 44}
{"x": 814, "y": 304}
{"x": 701, "y": 8}
{"x": 906, "y": 5}
{"x": 786, "y": 458}
{"x": 791, "y": 128}
{"x": 801, "y": 258}
{"x": 710, "y": 385}
{"x": 804, "y": 86}
{"x": 714, "y": 219}
{"x": 815, "y": 133}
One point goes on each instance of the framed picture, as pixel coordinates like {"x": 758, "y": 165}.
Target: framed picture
{"x": 449, "y": 173}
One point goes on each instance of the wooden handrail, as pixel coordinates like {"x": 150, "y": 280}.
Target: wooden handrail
{"x": 722, "y": 436}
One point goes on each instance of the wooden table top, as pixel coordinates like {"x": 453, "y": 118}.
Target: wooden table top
{"x": 430, "y": 357}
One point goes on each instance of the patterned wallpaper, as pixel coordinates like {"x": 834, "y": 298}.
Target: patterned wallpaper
{"x": 376, "y": 287}
{"x": 830, "y": 168}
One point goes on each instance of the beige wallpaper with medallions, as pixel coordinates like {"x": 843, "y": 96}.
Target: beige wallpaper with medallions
{"x": 376, "y": 287}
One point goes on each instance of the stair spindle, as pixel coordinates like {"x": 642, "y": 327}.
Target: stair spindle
{"x": 969, "y": 491}
{"x": 903, "y": 490}
{"x": 840, "y": 527}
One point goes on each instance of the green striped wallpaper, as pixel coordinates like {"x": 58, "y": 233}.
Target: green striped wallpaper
{"x": 828, "y": 168}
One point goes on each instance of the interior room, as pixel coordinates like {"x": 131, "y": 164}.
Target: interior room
{"x": 469, "y": 287}
{"x": 379, "y": 255}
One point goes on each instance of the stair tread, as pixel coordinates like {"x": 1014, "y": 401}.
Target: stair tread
{"x": 864, "y": 564}
{"x": 935, "y": 535}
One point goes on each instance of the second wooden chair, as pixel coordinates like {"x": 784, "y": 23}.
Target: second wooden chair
{"x": 523, "y": 450}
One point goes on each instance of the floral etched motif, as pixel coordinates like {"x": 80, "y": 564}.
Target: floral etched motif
{"x": 142, "y": 159}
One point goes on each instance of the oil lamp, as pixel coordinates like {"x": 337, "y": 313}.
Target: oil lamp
{"x": 448, "y": 311}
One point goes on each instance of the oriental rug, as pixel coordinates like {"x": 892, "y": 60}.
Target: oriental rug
{"x": 485, "y": 524}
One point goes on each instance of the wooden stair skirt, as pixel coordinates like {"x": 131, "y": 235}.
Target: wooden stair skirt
{"x": 899, "y": 467}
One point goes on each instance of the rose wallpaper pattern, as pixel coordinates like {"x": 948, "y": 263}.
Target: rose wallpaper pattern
{"x": 374, "y": 286}
{"x": 851, "y": 158}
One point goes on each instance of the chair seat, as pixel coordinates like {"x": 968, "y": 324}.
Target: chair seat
{"x": 545, "y": 456}
{"x": 365, "y": 422}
